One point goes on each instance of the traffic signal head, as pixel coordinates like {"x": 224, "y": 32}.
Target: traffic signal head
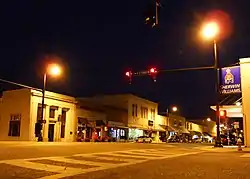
{"x": 153, "y": 72}
{"x": 129, "y": 76}
{"x": 223, "y": 114}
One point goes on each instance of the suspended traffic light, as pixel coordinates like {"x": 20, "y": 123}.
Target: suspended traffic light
{"x": 153, "y": 72}
{"x": 223, "y": 113}
{"x": 129, "y": 76}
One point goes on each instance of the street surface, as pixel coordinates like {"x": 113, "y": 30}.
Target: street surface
{"x": 121, "y": 161}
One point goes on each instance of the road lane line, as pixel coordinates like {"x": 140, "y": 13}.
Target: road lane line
{"x": 40, "y": 166}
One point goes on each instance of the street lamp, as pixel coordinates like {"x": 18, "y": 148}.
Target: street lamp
{"x": 210, "y": 31}
{"x": 174, "y": 109}
{"x": 52, "y": 70}
{"x": 209, "y": 119}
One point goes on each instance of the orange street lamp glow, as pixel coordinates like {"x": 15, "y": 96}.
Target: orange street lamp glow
{"x": 54, "y": 70}
{"x": 210, "y": 30}
{"x": 174, "y": 109}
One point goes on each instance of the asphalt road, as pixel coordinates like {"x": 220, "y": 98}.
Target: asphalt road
{"x": 121, "y": 161}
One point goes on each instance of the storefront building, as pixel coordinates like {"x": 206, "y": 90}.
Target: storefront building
{"x": 139, "y": 116}
{"x": 21, "y": 109}
{"x": 239, "y": 82}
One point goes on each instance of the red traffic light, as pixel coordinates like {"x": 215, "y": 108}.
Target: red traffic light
{"x": 152, "y": 71}
{"x": 223, "y": 113}
{"x": 129, "y": 75}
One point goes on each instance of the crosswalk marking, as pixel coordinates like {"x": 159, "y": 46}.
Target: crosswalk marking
{"x": 125, "y": 158}
{"x": 73, "y": 161}
{"x": 245, "y": 156}
{"x": 40, "y": 166}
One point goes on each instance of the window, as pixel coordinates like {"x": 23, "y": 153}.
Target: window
{"x": 191, "y": 126}
{"x": 52, "y": 112}
{"x": 14, "y": 125}
{"x": 144, "y": 112}
{"x": 63, "y": 123}
{"x": 180, "y": 123}
{"x": 153, "y": 114}
{"x": 39, "y": 112}
{"x": 134, "y": 110}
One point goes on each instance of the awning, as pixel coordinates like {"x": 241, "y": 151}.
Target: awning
{"x": 172, "y": 129}
{"x": 184, "y": 130}
{"x": 207, "y": 134}
{"x": 232, "y": 110}
{"x": 195, "y": 133}
{"x": 116, "y": 124}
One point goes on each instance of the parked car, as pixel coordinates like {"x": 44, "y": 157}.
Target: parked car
{"x": 144, "y": 139}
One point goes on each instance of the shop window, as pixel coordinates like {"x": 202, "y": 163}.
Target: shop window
{"x": 39, "y": 112}
{"x": 144, "y": 112}
{"x": 153, "y": 114}
{"x": 14, "y": 125}
{"x": 175, "y": 122}
{"x": 134, "y": 110}
{"x": 52, "y": 112}
{"x": 122, "y": 133}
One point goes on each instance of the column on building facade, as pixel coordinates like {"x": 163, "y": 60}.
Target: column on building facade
{"x": 245, "y": 87}
{"x": 46, "y": 125}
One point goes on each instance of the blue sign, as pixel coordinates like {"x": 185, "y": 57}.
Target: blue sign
{"x": 230, "y": 80}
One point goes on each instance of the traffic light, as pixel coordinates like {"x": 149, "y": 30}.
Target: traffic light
{"x": 223, "y": 114}
{"x": 149, "y": 16}
{"x": 129, "y": 76}
{"x": 153, "y": 72}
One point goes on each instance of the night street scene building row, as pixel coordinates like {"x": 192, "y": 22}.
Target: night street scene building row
{"x": 121, "y": 117}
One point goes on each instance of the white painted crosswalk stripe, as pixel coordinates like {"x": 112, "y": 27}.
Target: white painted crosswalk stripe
{"x": 94, "y": 161}
{"x": 245, "y": 156}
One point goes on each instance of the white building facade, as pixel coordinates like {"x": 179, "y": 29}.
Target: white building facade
{"x": 20, "y": 110}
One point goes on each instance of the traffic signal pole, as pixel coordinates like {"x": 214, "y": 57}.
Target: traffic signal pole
{"x": 156, "y": 12}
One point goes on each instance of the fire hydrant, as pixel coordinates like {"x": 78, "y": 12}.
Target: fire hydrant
{"x": 239, "y": 142}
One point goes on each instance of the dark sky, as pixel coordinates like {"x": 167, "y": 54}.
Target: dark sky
{"x": 99, "y": 40}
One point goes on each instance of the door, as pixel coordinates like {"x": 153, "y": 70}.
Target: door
{"x": 51, "y": 132}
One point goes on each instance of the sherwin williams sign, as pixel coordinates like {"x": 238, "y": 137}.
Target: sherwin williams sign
{"x": 230, "y": 80}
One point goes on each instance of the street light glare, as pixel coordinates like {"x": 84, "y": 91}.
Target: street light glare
{"x": 174, "y": 109}
{"x": 208, "y": 119}
{"x": 54, "y": 70}
{"x": 238, "y": 104}
{"x": 210, "y": 30}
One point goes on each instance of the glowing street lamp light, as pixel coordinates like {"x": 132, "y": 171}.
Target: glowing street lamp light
{"x": 210, "y": 30}
{"x": 209, "y": 119}
{"x": 174, "y": 109}
{"x": 52, "y": 70}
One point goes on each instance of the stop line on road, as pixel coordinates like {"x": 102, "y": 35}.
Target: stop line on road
{"x": 65, "y": 166}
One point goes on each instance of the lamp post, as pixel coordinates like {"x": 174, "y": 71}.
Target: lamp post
{"x": 53, "y": 70}
{"x": 173, "y": 109}
{"x": 210, "y": 31}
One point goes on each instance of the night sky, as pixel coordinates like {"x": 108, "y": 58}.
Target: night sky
{"x": 97, "y": 41}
